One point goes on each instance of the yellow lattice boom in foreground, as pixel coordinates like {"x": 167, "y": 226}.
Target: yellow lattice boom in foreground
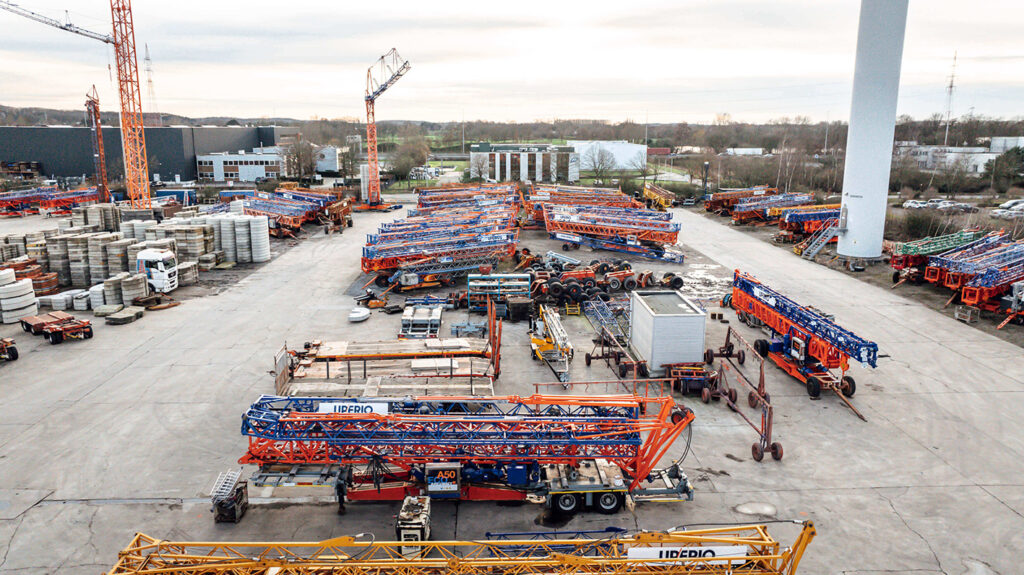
{"x": 734, "y": 550}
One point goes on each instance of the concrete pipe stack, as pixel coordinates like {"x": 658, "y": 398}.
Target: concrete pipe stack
{"x": 141, "y": 226}
{"x": 78, "y": 256}
{"x": 96, "y": 298}
{"x": 37, "y": 251}
{"x": 78, "y": 217}
{"x": 19, "y": 245}
{"x": 188, "y": 273}
{"x": 237, "y": 207}
{"x": 57, "y": 255}
{"x": 94, "y": 216}
{"x": 98, "y": 260}
{"x": 117, "y": 256}
{"x": 17, "y": 298}
{"x": 80, "y": 302}
{"x": 259, "y": 231}
{"x": 134, "y": 286}
{"x": 243, "y": 239}
{"x": 227, "y": 238}
{"x": 190, "y": 242}
{"x": 112, "y": 293}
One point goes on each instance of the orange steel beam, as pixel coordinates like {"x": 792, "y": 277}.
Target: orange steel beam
{"x": 133, "y": 137}
{"x": 92, "y": 107}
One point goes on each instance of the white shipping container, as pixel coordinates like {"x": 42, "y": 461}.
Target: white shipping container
{"x": 666, "y": 327}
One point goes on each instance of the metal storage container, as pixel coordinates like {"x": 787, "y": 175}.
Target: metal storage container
{"x": 666, "y": 327}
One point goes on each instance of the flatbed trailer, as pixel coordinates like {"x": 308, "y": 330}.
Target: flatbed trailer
{"x": 569, "y": 452}
{"x": 36, "y": 323}
{"x": 72, "y": 328}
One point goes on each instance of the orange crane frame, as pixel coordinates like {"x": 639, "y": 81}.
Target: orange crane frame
{"x": 133, "y": 137}
{"x": 390, "y": 68}
{"x": 92, "y": 116}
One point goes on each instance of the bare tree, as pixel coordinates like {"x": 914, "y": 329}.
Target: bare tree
{"x": 299, "y": 158}
{"x": 599, "y": 161}
{"x": 656, "y": 170}
{"x": 639, "y": 163}
{"x": 480, "y": 166}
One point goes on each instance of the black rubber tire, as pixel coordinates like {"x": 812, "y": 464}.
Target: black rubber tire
{"x": 705, "y": 395}
{"x": 642, "y": 371}
{"x": 575, "y": 246}
{"x": 55, "y": 337}
{"x": 741, "y": 356}
{"x": 676, "y": 282}
{"x": 623, "y": 370}
{"x": 629, "y": 284}
{"x": 26, "y": 327}
{"x": 87, "y": 332}
{"x": 752, "y": 399}
{"x": 895, "y": 277}
{"x": 557, "y": 266}
{"x": 756, "y": 452}
{"x": 761, "y": 347}
{"x": 614, "y": 284}
{"x": 589, "y": 282}
{"x": 776, "y": 449}
{"x": 594, "y": 262}
{"x": 566, "y": 247}
{"x": 12, "y": 353}
{"x": 381, "y": 281}
{"x": 709, "y": 356}
{"x": 556, "y": 289}
{"x": 849, "y": 386}
{"x": 733, "y": 394}
{"x": 587, "y": 359}
{"x": 566, "y": 504}
{"x": 602, "y": 268}
{"x": 574, "y": 290}
{"x": 813, "y": 388}
{"x": 604, "y": 296}
{"x": 608, "y": 503}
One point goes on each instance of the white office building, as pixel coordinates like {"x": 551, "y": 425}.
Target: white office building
{"x": 242, "y": 166}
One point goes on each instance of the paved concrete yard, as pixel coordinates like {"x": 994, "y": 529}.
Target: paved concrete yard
{"x": 126, "y": 432}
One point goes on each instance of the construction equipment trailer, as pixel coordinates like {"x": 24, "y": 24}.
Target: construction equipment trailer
{"x": 569, "y": 452}
{"x": 8, "y": 351}
{"x": 550, "y": 343}
{"x": 626, "y": 245}
{"x": 731, "y": 550}
{"x": 908, "y": 258}
{"x": 803, "y": 342}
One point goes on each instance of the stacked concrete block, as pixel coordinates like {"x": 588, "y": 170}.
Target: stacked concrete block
{"x": 117, "y": 257}
{"x": 78, "y": 258}
{"x": 134, "y": 286}
{"x": 98, "y": 256}
{"x": 112, "y": 293}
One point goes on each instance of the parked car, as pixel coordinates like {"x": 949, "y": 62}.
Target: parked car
{"x": 935, "y": 202}
{"x": 1012, "y": 204}
{"x": 914, "y": 204}
{"x": 997, "y": 213}
{"x": 690, "y": 201}
{"x": 968, "y": 208}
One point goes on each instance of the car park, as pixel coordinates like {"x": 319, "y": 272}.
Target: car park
{"x": 1011, "y": 203}
{"x": 914, "y": 204}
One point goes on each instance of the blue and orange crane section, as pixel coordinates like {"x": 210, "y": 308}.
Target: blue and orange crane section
{"x": 804, "y": 343}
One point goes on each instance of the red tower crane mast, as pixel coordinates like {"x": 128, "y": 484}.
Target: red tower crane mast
{"x": 92, "y": 117}
{"x": 133, "y": 138}
{"x": 389, "y": 68}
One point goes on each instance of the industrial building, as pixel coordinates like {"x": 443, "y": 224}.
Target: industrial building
{"x": 328, "y": 159}
{"x": 64, "y": 151}
{"x": 533, "y": 162}
{"x": 242, "y": 166}
{"x": 971, "y": 159}
{"x": 626, "y": 155}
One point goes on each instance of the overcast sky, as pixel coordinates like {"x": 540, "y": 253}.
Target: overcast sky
{"x": 521, "y": 61}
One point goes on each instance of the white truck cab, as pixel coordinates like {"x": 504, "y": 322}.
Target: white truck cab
{"x": 161, "y": 269}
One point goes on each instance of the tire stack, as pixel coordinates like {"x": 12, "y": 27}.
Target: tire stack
{"x": 259, "y": 231}
{"x": 17, "y": 298}
{"x": 227, "y": 239}
{"x": 243, "y": 239}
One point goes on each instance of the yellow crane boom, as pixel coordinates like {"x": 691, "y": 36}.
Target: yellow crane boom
{"x": 739, "y": 550}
